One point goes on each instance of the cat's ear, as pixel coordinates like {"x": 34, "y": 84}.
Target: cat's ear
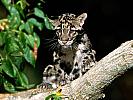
{"x": 55, "y": 23}
{"x": 79, "y": 21}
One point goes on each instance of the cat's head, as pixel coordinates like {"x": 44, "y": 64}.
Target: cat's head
{"x": 66, "y": 27}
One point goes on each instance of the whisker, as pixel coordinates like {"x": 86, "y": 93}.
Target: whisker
{"x": 52, "y": 46}
{"x": 81, "y": 33}
{"x": 48, "y": 41}
{"x": 54, "y": 37}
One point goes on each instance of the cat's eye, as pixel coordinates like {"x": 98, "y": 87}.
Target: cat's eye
{"x": 58, "y": 32}
{"x": 73, "y": 29}
{"x": 57, "y": 28}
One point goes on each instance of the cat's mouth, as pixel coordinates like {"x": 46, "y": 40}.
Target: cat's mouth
{"x": 65, "y": 44}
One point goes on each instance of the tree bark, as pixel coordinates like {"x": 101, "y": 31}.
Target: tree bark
{"x": 91, "y": 85}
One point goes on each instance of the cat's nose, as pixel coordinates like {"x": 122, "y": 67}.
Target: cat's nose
{"x": 64, "y": 42}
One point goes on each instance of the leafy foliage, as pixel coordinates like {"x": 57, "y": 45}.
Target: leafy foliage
{"x": 17, "y": 43}
{"x": 57, "y": 95}
{"x": 53, "y": 97}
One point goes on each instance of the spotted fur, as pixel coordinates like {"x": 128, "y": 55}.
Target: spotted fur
{"x": 73, "y": 55}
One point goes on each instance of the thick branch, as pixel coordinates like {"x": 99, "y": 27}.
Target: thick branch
{"x": 101, "y": 75}
{"x": 91, "y": 85}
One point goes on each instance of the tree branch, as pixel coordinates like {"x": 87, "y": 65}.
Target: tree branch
{"x": 91, "y": 85}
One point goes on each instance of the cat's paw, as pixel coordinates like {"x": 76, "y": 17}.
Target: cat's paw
{"x": 44, "y": 85}
{"x": 72, "y": 77}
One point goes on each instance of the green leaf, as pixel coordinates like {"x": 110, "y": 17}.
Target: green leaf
{"x": 25, "y": 87}
{"x": 30, "y": 86}
{"x": 13, "y": 11}
{"x": 36, "y": 23}
{"x": 17, "y": 62}
{"x": 14, "y": 18}
{"x": 28, "y": 55}
{"x": 16, "y": 54}
{"x": 36, "y": 39}
{"x": 1, "y": 68}
{"x": 2, "y": 38}
{"x": 9, "y": 87}
{"x": 20, "y": 10}
{"x": 6, "y": 3}
{"x": 22, "y": 79}
{"x": 22, "y": 82}
{"x": 50, "y": 96}
{"x": 53, "y": 97}
{"x": 15, "y": 69}
{"x": 22, "y": 43}
{"x": 38, "y": 12}
{"x": 11, "y": 44}
{"x": 48, "y": 24}
{"x": 29, "y": 28}
{"x": 30, "y": 41}
{"x": 22, "y": 4}
{"x": 20, "y": 87}
{"x": 8, "y": 69}
{"x": 22, "y": 27}
{"x": 1, "y": 79}
{"x": 14, "y": 21}
{"x": 1, "y": 62}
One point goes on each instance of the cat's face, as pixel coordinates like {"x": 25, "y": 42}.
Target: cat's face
{"x": 66, "y": 27}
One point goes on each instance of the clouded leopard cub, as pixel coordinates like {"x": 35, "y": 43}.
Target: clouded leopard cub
{"x": 73, "y": 55}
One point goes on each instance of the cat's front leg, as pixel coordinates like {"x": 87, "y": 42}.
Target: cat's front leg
{"x": 48, "y": 77}
{"x": 76, "y": 71}
{"x": 88, "y": 60}
{"x": 52, "y": 73}
{"x": 53, "y": 76}
{"x": 84, "y": 58}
